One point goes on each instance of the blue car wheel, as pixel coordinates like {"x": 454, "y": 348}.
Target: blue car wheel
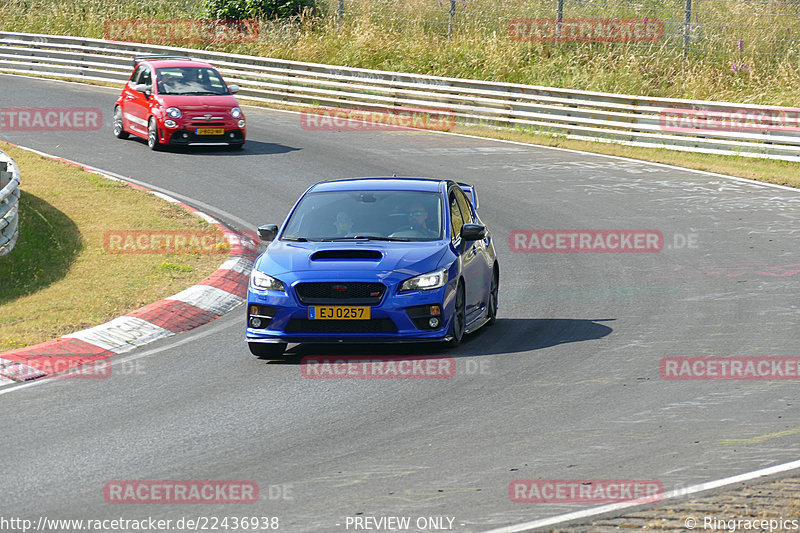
{"x": 459, "y": 316}
{"x": 493, "y": 296}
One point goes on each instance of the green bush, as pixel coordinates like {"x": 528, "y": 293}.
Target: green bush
{"x": 256, "y": 9}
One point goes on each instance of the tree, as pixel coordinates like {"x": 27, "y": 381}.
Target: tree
{"x": 256, "y": 9}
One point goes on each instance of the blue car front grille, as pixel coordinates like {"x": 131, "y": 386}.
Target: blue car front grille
{"x": 340, "y": 293}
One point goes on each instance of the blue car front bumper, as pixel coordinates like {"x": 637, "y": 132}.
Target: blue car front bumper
{"x": 397, "y": 317}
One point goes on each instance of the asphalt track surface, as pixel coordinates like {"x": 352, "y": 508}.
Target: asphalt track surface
{"x": 566, "y": 385}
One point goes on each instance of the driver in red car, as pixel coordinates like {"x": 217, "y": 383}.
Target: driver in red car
{"x": 168, "y": 83}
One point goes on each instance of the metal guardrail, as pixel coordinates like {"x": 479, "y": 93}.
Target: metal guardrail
{"x": 738, "y": 129}
{"x": 9, "y": 203}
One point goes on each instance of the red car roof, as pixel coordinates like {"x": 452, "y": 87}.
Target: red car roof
{"x": 157, "y": 63}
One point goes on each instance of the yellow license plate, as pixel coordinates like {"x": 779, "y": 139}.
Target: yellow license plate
{"x": 338, "y": 313}
{"x": 209, "y": 131}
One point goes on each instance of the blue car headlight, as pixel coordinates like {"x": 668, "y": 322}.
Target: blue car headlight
{"x": 424, "y": 282}
{"x": 259, "y": 280}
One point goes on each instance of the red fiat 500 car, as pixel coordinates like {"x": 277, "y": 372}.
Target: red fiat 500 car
{"x": 174, "y": 100}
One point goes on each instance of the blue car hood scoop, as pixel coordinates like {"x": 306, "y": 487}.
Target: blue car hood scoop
{"x": 332, "y": 257}
{"x": 322, "y": 255}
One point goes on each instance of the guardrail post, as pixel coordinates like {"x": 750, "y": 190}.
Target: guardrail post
{"x": 339, "y": 13}
{"x": 687, "y": 26}
{"x": 450, "y": 16}
{"x": 559, "y": 17}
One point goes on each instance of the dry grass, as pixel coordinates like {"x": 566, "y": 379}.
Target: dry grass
{"x": 411, "y": 36}
{"x": 59, "y": 279}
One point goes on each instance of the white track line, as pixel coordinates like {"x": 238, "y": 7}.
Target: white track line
{"x": 614, "y": 507}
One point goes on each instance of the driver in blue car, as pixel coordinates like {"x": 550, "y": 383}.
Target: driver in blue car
{"x": 344, "y": 224}
{"x": 418, "y": 220}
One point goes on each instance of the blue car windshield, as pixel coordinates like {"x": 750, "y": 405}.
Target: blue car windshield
{"x": 366, "y": 215}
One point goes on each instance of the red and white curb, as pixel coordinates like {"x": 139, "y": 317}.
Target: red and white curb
{"x": 220, "y": 292}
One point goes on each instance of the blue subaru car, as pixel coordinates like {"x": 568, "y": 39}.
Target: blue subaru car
{"x": 374, "y": 260}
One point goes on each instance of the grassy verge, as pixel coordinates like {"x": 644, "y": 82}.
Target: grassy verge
{"x": 59, "y": 278}
{"x": 740, "y": 53}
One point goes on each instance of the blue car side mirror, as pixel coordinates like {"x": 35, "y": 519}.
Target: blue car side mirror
{"x": 267, "y": 232}
{"x": 473, "y": 232}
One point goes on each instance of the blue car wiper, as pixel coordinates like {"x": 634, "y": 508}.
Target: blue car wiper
{"x": 294, "y": 239}
{"x": 368, "y": 238}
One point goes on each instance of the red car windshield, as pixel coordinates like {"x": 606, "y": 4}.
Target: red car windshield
{"x": 190, "y": 81}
